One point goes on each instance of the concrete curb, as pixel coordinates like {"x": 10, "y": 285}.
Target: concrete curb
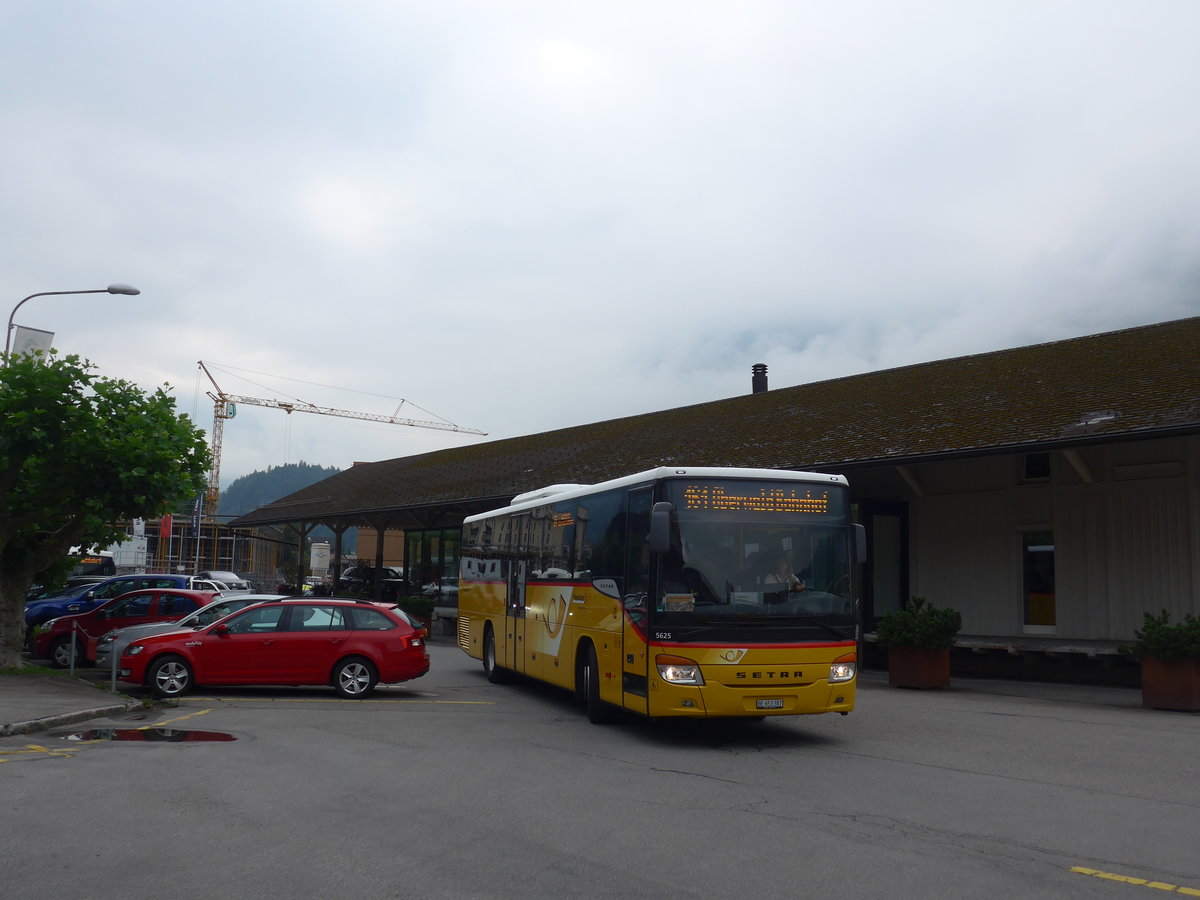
{"x": 47, "y": 722}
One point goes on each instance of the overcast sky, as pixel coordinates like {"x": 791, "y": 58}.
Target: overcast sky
{"x": 521, "y": 216}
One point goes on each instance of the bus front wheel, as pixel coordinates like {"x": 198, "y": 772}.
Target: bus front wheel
{"x": 588, "y": 686}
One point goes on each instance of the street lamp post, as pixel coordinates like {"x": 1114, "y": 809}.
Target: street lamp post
{"x": 111, "y": 289}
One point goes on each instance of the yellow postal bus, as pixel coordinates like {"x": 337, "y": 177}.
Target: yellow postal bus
{"x": 673, "y": 592}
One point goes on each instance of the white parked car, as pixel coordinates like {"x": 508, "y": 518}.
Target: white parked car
{"x": 446, "y": 589}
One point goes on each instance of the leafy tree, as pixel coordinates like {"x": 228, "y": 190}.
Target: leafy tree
{"x": 79, "y": 452}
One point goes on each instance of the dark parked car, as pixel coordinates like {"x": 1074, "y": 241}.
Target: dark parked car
{"x": 364, "y": 576}
{"x": 350, "y": 644}
{"x": 73, "y": 584}
{"x": 52, "y": 639}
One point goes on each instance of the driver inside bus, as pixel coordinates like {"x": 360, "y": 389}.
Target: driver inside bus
{"x": 781, "y": 573}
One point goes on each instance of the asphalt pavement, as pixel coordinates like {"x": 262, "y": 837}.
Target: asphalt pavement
{"x": 30, "y": 703}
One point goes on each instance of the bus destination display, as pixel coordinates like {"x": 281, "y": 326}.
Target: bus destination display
{"x": 746, "y": 497}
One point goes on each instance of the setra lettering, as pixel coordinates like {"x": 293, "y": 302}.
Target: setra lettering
{"x": 769, "y": 676}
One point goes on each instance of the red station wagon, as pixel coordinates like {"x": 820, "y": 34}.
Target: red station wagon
{"x": 52, "y": 640}
{"x": 350, "y": 644}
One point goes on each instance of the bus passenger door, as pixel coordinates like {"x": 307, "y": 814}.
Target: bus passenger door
{"x": 635, "y": 603}
{"x": 513, "y": 654}
{"x": 635, "y": 658}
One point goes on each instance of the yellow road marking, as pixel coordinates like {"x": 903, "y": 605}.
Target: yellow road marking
{"x": 31, "y": 749}
{"x": 176, "y": 719}
{"x": 1142, "y": 882}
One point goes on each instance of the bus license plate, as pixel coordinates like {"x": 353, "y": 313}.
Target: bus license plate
{"x": 769, "y": 704}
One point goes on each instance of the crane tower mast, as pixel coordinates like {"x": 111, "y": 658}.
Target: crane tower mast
{"x": 222, "y": 402}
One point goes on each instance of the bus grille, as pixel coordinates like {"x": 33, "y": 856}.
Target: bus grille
{"x": 464, "y": 632}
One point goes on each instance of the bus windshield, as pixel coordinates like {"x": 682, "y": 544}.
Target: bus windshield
{"x": 776, "y": 555}
{"x": 95, "y": 563}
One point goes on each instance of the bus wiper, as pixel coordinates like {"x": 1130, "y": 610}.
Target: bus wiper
{"x": 832, "y": 629}
{"x": 801, "y": 621}
{"x": 692, "y": 634}
{"x": 685, "y": 636}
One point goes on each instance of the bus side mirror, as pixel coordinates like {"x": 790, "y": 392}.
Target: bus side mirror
{"x": 660, "y": 527}
{"x": 860, "y": 544}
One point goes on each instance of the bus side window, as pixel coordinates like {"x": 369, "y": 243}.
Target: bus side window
{"x": 601, "y": 538}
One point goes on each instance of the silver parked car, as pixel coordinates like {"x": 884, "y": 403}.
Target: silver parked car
{"x": 113, "y": 644}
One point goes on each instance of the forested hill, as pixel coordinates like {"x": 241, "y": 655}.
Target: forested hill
{"x": 260, "y": 488}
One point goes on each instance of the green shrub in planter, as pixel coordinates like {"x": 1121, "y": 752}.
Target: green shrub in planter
{"x": 1159, "y": 639}
{"x": 919, "y": 624}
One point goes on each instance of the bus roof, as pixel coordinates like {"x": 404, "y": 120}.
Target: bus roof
{"x": 555, "y": 493}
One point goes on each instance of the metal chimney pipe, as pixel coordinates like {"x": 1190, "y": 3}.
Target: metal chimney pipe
{"x": 758, "y": 379}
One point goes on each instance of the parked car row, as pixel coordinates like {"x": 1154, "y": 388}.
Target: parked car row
{"x": 172, "y": 640}
{"x": 87, "y": 597}
{"x": 113, "y": 643}
{"x": 54, "y": 638}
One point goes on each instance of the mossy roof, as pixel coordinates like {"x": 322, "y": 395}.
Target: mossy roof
{"x": 1113, "y": 386}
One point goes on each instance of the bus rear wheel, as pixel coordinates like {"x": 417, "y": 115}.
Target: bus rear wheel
{"x": 496, "y": 674}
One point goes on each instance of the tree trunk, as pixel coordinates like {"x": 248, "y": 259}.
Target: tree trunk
{"x": 15, "y": 582}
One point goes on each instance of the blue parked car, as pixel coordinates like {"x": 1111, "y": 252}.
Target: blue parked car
{"x": 87, "y": 597}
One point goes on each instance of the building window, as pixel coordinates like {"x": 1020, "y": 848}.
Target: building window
{"x": 1037, "y": 561}
{"x": 1037, "y": 467}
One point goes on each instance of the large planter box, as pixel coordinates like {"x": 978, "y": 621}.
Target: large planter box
{"x": 1171, "y": 685}
{"x": 914, "y": 667}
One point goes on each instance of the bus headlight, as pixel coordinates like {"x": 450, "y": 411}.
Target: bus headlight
{"x": 678, "y": 670}
{"x": 841, "y": 671}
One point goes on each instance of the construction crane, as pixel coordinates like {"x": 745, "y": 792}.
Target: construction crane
{"x": 225, "y": 404}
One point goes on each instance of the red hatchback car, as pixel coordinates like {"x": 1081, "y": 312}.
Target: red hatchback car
{"x": 350, "y": 644}
{"x": 52, "y": 640}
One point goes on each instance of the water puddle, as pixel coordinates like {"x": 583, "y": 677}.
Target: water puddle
{"x": 149, "y": 734}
